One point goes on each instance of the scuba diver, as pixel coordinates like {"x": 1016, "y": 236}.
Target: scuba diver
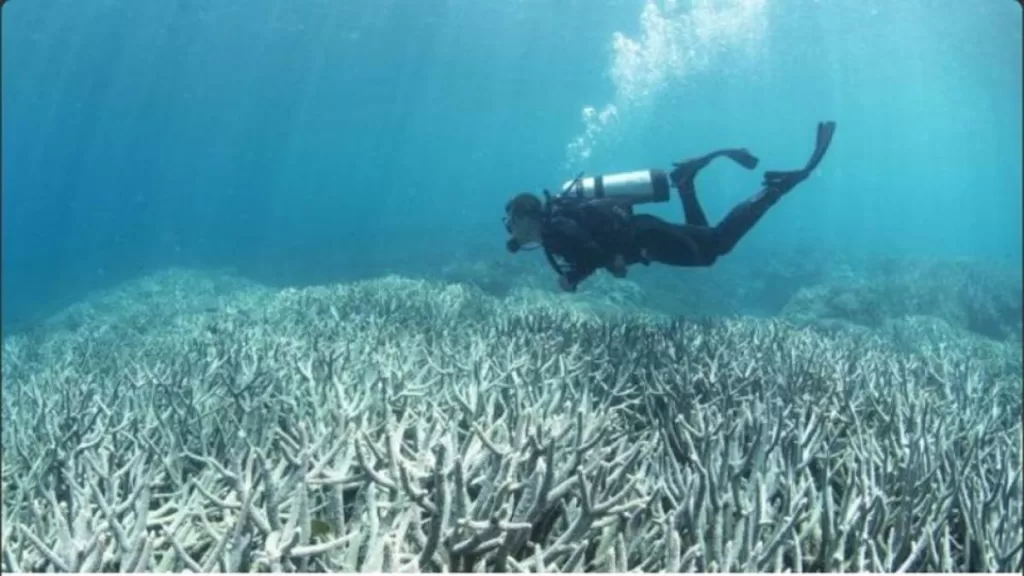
{"x": 591, "y": 224}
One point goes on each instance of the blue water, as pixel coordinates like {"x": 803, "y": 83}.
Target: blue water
{"x": 320, "y": 140}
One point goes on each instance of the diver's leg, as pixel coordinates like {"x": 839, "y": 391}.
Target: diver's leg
{"x": 784, "y": 181}
{"x": 743, "y": 217}
{"x": 685, "y": 173}
{"x": 674, "y": 244}
{"x": 693, "y": 213}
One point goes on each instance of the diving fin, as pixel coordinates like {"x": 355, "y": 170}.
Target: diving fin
{"x": 743, "y": 157}
{"x": 825, "y": 132}
{"x": 687, "y": 170}
{"x": 784, "y": 181}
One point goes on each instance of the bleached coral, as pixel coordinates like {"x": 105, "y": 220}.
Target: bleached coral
{"x": 401, "y": 425}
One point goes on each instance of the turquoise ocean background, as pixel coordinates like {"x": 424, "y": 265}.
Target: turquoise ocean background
{"x": 318, "y": 141}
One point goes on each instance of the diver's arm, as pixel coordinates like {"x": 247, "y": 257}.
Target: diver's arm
{"x": 577, "y": 274}
{"x": 576, "y": 243}
{"x": 578, "y": 247}
{"x": 616, "y": 233}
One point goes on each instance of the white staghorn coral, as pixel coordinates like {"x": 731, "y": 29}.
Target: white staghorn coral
{"x": 403, "y": 426}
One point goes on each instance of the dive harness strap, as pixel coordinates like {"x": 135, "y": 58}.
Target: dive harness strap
{"x": 549, "y": 203}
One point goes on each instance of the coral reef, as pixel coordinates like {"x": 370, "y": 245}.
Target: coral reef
{"x": 772, "y": 277}
{"x": 755, "y": 285}
{"x": 497, "y": 276}
{"x": 980, "y": 299}
{"x": 401, "y": 425}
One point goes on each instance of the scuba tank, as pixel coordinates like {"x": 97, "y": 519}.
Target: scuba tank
{"x": 624, "y": 188}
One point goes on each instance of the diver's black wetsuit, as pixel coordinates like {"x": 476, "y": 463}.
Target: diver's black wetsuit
{"x": 589, "y": 237}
